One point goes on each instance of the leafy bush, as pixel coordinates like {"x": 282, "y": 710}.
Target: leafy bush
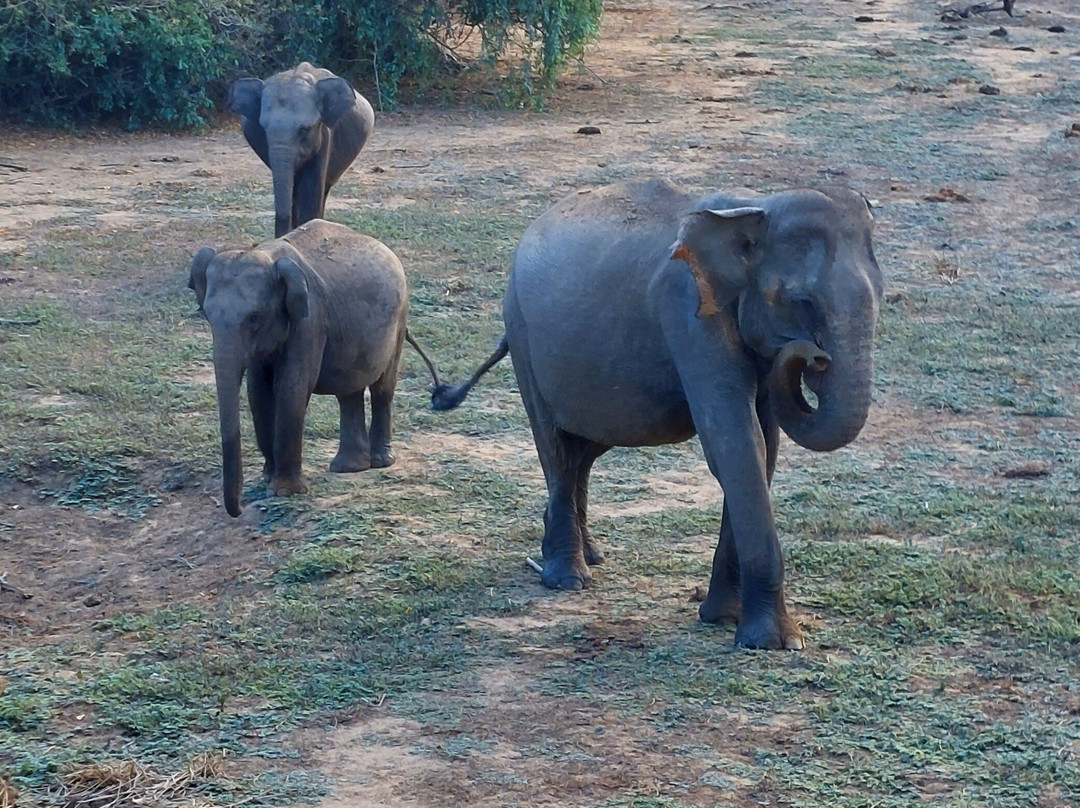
{"x": 141, "y": 62}
{"x": 73, "y": 61}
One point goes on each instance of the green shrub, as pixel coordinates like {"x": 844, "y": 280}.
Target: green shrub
{"x": 140, "y": 62}
{"x": 166, "y": 62}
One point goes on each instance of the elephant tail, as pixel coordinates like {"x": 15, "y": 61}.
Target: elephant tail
{"x": 445, "y": 397}
{"x": 424, "y": 356}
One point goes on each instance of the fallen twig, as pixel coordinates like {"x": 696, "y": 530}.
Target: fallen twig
{"x": 20, "y": 322}
{"x": 10, "y": 587}
{"x": 14, "y": 166}
{"x": 411, "y": 165}
{"x": 956, "y": 14}
{"x": 533, "y": 564}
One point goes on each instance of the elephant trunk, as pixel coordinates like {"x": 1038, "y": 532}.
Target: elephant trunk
{"x": 229, "y": 372}
{"x": 282, "y": 166}
{"x": 841, "y": 382}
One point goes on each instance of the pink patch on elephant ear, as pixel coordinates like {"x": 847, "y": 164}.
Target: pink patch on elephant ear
{"x": 708, "y": 305}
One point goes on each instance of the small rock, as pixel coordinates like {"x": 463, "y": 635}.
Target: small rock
{"x": 1056, "y": 29}
{"x": 897, "y": 187}
{"x": 886, "y": 53}
{"x": 1027, "y": 471}
{"x": 1073, "y": 131}
{"x": 1024, "y": 48}
{"x": 745, "y": 54}
{"x": 589, "y": 130}
{"x": 894, "y": 297}
{"x": 947, "y": 195}
{"x": 1001, "y": 32}
{"x": 989, "y": 89}
{"x": 378, "y": 170}
{"x": 92, "y": 600}
{"x": 865, "y": 18}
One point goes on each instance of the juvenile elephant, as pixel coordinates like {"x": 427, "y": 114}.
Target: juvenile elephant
{"x": 307, "y": 125}
{"x": 321, "y": 310}
{"x": 639, "y": 314}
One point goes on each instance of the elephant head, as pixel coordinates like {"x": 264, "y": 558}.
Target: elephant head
{"x": 295, "y": 111}
{"x": 252, "y": 300}
{"x": 802, "y": 275}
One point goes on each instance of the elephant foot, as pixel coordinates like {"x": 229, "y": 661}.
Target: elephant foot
{"x": 772, "y": 631}
{"x": 268, "y": 471}
{"x": 561, "y": 573}
{"x": 287, "y": 486}
{"x": 350, "y": 463}
{"x": 382, "y": 458}
{"x": 593, "y": 554}
{"x": 720, "y": 607}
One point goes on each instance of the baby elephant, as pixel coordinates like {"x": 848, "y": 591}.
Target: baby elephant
{"x": 321, "y": 310}
{"x": 307, "y": 125}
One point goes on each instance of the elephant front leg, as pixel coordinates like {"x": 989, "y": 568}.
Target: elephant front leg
{"x": 291, "y": 408}
{"x": 736, "y": 453}
{"x": 309, "y": 192}
{"x": 354, "y": 452}
{"x": 260, "y": 389}
{"x": 724, "y": 600}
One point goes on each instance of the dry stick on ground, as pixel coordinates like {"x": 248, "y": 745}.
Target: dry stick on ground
{"x": 15, "y": 166}
{"x": 10, "y": 587}
{"x": 19, "y": 322}
{"x": 534, "y": 565}
{"x": 953, "y": 14}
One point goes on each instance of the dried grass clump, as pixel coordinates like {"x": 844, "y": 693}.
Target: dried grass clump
{"x": 8, "y": 794}
{"x": 125, "y": 782}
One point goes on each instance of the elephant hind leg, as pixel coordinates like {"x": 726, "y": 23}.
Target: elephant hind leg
{"x": 354, "y": 452}
{"x": 382, "y": 414}
{"x": 562, "y": 455}
{"x": 593, "y": 553}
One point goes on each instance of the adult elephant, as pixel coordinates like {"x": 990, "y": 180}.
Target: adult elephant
{"x": 307, "y": 125}
{"x": 639, "y": 314}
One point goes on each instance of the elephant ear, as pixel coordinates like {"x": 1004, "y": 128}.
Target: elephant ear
{"x": 296, "y": 287}
{"x": 197, "y": 273}
{"x": 336, "y": 97}
{"x": 245, "y": 98}
{"x": 722, "y": 249}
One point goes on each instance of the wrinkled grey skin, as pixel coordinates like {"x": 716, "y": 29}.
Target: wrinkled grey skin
{"x": 617, "y": 340}
{"x": 321, "y": 310}
{"x": 307, "y": 125}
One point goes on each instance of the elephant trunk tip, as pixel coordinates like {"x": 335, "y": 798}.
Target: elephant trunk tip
{"x": 233, "y": 507}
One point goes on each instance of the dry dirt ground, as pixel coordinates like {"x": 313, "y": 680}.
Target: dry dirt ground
{"x": 671, "y": 94}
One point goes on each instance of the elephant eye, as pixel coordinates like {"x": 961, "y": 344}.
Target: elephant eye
{"x": 252, "y": 320}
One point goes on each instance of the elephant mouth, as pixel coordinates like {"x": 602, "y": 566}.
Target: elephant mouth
{"x": 799, "y": 371}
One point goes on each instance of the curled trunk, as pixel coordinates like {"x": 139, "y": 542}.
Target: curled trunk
{"x": 228, "y": 374}
{"x": 842, "y": 384}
